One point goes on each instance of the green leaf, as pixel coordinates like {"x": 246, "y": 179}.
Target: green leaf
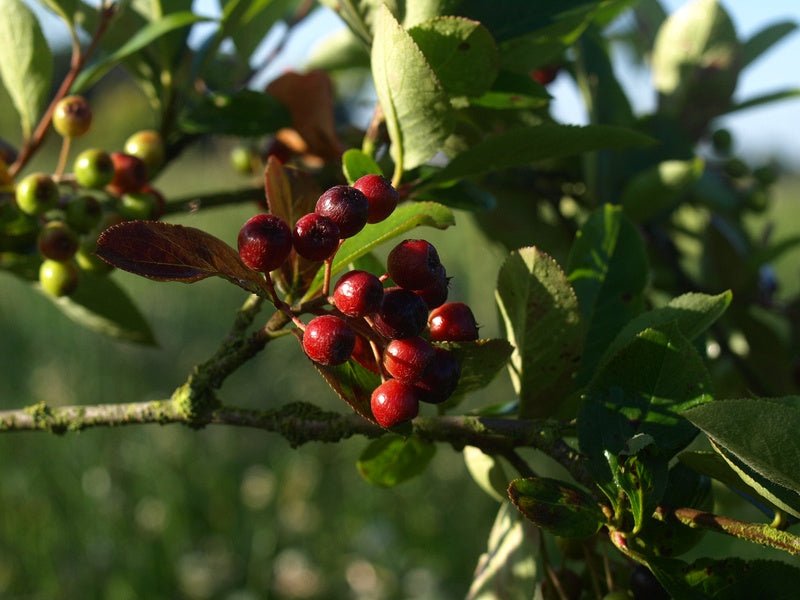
{"x": 509, "y": 568}
{"x": 542, "y": 321}
{"x": 787, "y": 94}
{"x": 487, "y": 471}
{"x": 524, "y": 145}
{"x": 480, "y": 362}
{"x": 464, "y": 195}
{"x": 406, "y": 217}
{"x": 356, "y": 164}
{"x": 27, "y": 65}
{"x": 509, "y": 101}
{"x": 660, "y": 188}
{"x": 101, "y": 305}
{"x": 392, "y": 459}
{"x": 340, "y": 50}
{"x": 353, "y": 384}
{"x": 417, "y": 111}
{"x": 246, "y": 114}
{"x": 643, "y": 389}
{"x": 763, "y": 40}
{"x": 461, "y": 52}
{"x": 693, "y": 313}
{"x": 250, "y": 27}
{"x": 143, "y": 38}
{"x": 554, "y": 505}
{"x": 608, "y": 268}
{"x": 761, "y": 434}
{"x": 65, "y": 9}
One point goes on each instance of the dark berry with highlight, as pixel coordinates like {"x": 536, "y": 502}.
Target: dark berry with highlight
{"x": 453, "y": 322}
{"x": 328, "y": 340}
{"x": 381, "y": 195}
{"x": 414, "y": 264}
{"x": 358, "y": 294}
{"x": 264, "y": 242}
{"x": 407, "y": 359}
{"x": 315, "y": 237}
{"x": 403, "y": 314}
{"x": 394, "y": 402}
{"x": 346, "y": 206}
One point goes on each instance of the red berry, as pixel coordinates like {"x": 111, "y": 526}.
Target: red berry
{"x": 363, "y": 354}
{"x": 406, "y": 360}
{"x": 328, "y": 340}
{"x": 440, "y": 379}
{"x": 394, "y": 402}
{"x": 57, "y": 241}
{"x": 264, "y": 242}
{"x": 346, "y": 206}
{"x": 381, "y": 195}
{"x": 403, "y": 314}
{"x": 358, "y": 293}
{"x": 130, "y": 173}
{"x": 453, "y": 322}
{"x": 545, "y": 75}
{"x": 315, "y": 237}
{"x": 414, "y": 264}
{"x": 435, "y": 295}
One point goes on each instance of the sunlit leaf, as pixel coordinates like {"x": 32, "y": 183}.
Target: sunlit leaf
{"x": 391, "y": 460}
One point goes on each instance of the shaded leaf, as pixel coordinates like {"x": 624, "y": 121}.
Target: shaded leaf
{"x": 542, "y": 321}
{"x": 65, "y": 9}
{"x": 252, "y": 24}
{"x": 390, "y": 460}
{"x": 787, "y": 94}
{"x": 27, "y": 65}
{"x": 340, "y": 50}
{"x": 101, "y": 305}
{"x": 464, "y": 195}
{"x": 416, "y": 107}
{"x": 763, "y": 40}
{"x": 608, "y": 269}
{"x": 524, "y": 145}
{"x": 353, "y": 384}
{"x": 356, "y": 164}
{"x": 460, "y": 51}
{"x": 166, "y": 252}
{"x": 245, "y": 113}
{"x": 509, "y": 101}
{"x": 405, "y": 218}
{"x": 487, "y": 471}
{"x": 509, "y": 567}
{"x": 660, "y": 188}
{"x": 480, "y": 362}
{"x": 554, "y": 505}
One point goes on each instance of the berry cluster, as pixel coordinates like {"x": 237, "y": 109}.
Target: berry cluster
{"x": 68, "y": 212}
{"x": 388, "y": 330}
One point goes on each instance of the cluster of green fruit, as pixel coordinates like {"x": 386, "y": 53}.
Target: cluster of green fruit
{"x": 67, "y": 213}
{"x": 382, "y": 328}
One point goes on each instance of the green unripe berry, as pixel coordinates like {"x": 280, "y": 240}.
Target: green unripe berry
{"x": 242, "y": 160}
{"x": 72, "y": 116}
{"x": 88, "y": 261}
{"x": 757, "y": 200}
{"x": 137, "y": 205}
{"x": 37, "y": 193}
{"x": 94, "y": 169}
{"x": 149, "y": 147}
{"x": 736, "y": 168}
{"x": 58, "y": 278}
{"x": 722, "y": 141}
{"x": 57, "y": 241}
{"x": 83, "y": 213}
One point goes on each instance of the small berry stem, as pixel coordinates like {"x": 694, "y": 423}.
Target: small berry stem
{"x": 383, "y": 278}
{"x": 62, "y": 158}
{"x": 326, "y": 282}
{"x": 376, "y": 352}
{"x": 280, "y": 304}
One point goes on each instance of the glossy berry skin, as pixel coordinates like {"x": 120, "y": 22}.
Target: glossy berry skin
{"x": 453, "y": 322}
{"x": 83, "y": 213}
{"x": 436, "y": 294}
{"x": 345, "y": 206}
{"x": 137, "y": 205}
{"x": 381, "y": 195}
{"x": 407, "y": 359}
{"x": 402, "y": 314}
{"x": 264, "y": 242}
{"x": 440, "y": 378}
{"x": 57, "y": 241}
{"x": 58, "y": 278}
{"x": 149, "y": 147}
{"x": 394, "y": 402}
{"x": 72, "y": 116}
{"x": 328, "y": 340}
{"x": 93, "y": 169}
{"x": 315, "y": 237}
{"x": 130, "y": 173}
{"x": 36, "y": 194}
{"x": 414, "y": 264}
{"x": 358, "y": 293}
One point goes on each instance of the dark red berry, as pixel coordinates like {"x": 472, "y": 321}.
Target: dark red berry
{"x": 453, "y": 322}
{"x": 403, "y": 314}
{"x": 414, "y": 264}
{"x": 381, "y": 195}
{"x": 363, "y": 354}
{"x": 435, "y": 295}
{"x": 407, "y": 359}
{"x": 130, "y": 173}
{"x": 545, "y": 75}
{"x": 394, "y": 402}
{"x": 440, "y": 379}
{"x": 264, "y": 242}
{"x": 315, "y": 237}
{"x": 57, "y": 241}
{"x": 328, "y": 340}
{"x": 358, "y": 293}
{"x": 346, "y": 206}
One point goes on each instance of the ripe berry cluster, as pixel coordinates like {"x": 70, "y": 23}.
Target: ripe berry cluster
{"x": 388, "y": 330}
{"x": 67, "y": 213}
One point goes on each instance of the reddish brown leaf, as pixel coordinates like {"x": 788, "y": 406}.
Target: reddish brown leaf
{"x": 166, "y": 252}
{"x": 353, "y": 384}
